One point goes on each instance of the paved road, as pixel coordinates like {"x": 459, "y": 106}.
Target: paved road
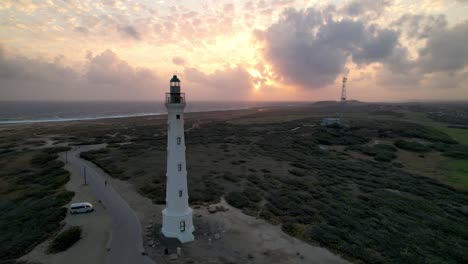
{"x": 126, "y": 245}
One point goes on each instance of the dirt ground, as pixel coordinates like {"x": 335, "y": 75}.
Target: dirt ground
{"x": 91, "y": 248}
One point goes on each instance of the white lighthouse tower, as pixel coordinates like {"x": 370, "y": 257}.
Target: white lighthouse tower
{"x": 177, "y": 216}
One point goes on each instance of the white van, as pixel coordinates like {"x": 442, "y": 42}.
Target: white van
{"x": 77, "y": 208}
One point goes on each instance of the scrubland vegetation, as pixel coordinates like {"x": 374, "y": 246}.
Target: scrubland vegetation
{"x": 370, "y": 210}
{"x": 347, "y": 188}
{"x": 31, "y": 198}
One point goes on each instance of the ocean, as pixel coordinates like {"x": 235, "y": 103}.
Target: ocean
{"x": 31, "y": 112}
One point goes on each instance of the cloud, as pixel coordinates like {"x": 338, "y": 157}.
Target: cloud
{"x": 362, "y": 7}
{"x": 445, "y": 51}
{"x": 103, "y": 77}
{"x": 227, "y": 84}
{"x": 420, "y": 26}
{"x": 376, "y": 46}
{"x": 178, "y": 61}
{"x": 106, "y": 68}
{"x": 440, "y": 63}
{"x": 130, "y": 31}
{"x": 310, "y": 48}
{"x": 228, "y": 8}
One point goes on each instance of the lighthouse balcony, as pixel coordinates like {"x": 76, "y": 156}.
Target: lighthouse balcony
{"x": 175, "y": 98}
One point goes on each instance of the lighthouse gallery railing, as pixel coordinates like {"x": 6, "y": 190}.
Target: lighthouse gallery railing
{"x": 175, "y": 98}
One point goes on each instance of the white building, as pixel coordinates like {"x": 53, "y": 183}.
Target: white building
{"x": 177, "y": 216}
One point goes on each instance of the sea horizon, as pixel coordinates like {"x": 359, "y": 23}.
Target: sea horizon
{"x": 25, "y": 112}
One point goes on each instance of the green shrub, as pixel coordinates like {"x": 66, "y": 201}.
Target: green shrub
{"x": 65, "y": 239}
{"x": 252, "y": 194}
{"x": 380, "y": 152}
{"x": 297, "y": 172}
{"x": 42, "y": 159}
{"x": 230, "y": 177}
{"x": 299, "y": 165}
{"x": 386, "y": 147}
{"x": 456, "y": 154}
{"x": 156, "y": 192}
{"x": 411, "y": 146}
{"x": 55, "y": 150}
{"x": 237, "y": 199}
{"x": 385, "y": 156}
{"x": 291, "y": 229}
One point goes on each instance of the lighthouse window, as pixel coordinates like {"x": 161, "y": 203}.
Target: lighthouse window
{"x": 179, "y": 140}
{"x": 182, "y": 226}
{"x": 179, "y": 166}
{"x": 180, "y": 193}
{"x": 178, "y": 116}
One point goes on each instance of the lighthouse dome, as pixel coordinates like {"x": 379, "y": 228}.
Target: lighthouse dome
{"x": 174, "y": 79}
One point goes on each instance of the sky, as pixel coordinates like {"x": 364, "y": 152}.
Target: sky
{"x": 279, "y": 50}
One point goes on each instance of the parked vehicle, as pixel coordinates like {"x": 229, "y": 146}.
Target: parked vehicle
{"x": 77, "y": 208}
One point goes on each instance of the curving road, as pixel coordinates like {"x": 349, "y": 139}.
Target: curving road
{"x": 125, "y": 244}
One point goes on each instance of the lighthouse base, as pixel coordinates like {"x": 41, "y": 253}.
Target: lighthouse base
{"x": 178, "y": 226}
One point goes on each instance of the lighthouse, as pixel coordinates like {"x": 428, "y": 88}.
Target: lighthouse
{"x": 177, "y": 216}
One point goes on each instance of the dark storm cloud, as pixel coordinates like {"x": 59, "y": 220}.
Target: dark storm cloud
{"x": 130, "y": 31}
{"x": 310, "y": 47}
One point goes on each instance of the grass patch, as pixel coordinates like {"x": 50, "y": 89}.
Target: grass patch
{"x": 458, "y": 172}
{"x": 458, "y": 134}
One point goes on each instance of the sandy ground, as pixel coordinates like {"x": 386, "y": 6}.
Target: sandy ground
{"x": 91, "y": 248}
{"x": 243, "y": 239}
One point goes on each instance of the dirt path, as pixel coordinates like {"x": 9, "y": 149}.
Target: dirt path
{"x": 91, "y": 248}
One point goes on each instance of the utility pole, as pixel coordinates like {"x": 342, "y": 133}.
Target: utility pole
{"x": 84, "y": 174}
{"x": 343, "y": 89}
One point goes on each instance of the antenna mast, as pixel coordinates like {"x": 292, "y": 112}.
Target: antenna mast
{"x": 343, "y": 89}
